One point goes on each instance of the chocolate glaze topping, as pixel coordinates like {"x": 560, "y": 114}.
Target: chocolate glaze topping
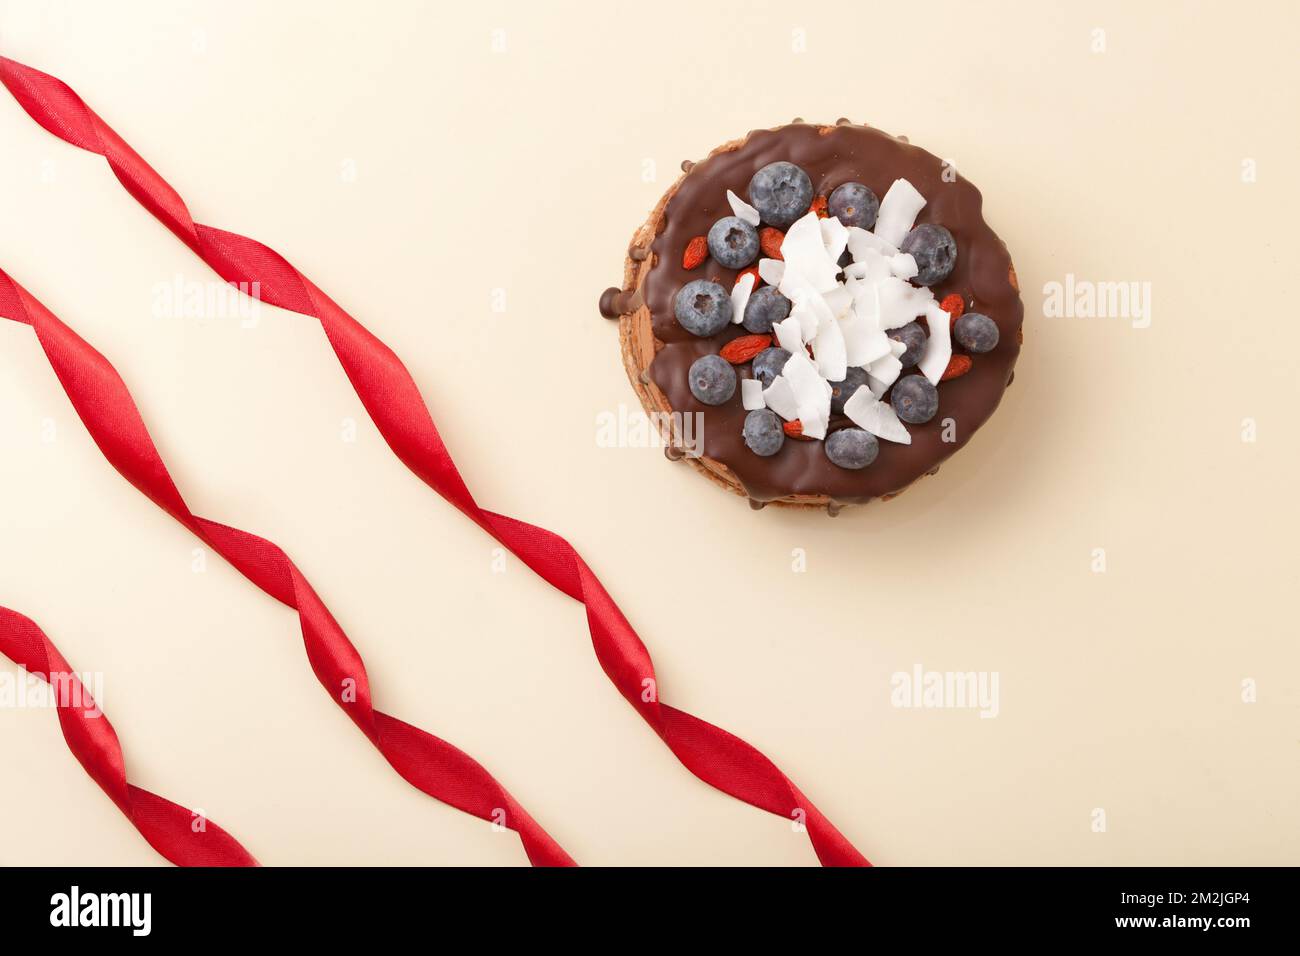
{"x": 831, "y": 156}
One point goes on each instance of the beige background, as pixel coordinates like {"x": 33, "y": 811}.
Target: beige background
{"x": 525, "y": 170}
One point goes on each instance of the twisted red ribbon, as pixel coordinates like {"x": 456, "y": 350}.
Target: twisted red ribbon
{"x": 169, "y": 828}
{"x": 393, "y": 401}
{"x": 110, "y": 414}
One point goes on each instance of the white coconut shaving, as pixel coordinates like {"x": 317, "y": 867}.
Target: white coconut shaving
{"x": 788, "y": 334}
{"x": 864, "y": 341}
{"x": 771, "y": 271}
{"x": 803, "y": 314}
{"x": 900, "y": 301}
{"x": 779, "y": 397}
{"x": 806, "y": 255}
{"x": 839, "y": 300}
{"x": 860, "y": 241}
{"x": 835, "y": 237}
{"x": 903, "y": 265}
{"x": 743, "y": 210}
{"x": 898, "y": 212}
{"x": 830, "y": 351}
{"x": 751, "y": 394}
{"x": 866, "y": 302}
{"x": 812, "y": 394}
{"x": 740, "y": 293}
{"x": 873, "y": 415}
{"x": 938, "y": 347}
{"x": 871, "y": 267}
{"x": 882, "y": 373}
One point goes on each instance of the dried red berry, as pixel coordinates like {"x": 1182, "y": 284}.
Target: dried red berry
{"x": 954, "y": 305}
{"x": 769, "y": 240}
{"x": 697, "y": 250}
{"x": 741, "y": 350}
{"x": 958, "y": 366}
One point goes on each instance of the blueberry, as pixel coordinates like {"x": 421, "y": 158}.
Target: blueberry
{"x": 733, "y": 243}
{"x": 915, "y": 399}
{"x": 712, "y": 379}
{"x": 766, "y": 307}
{"x": 854, "y": 205}
{"x": 843, "y": 390}
{"x": 781, "y": 192}
{"x": 935, "y": 252}
{"x": 852, "y": 448}
{"x": 763, "y": 432}
{"x": 976, "y": 332}
{"x": 913, "y": 336}
{"x": 703, "y": 308}
{"x": 768, "y": 364}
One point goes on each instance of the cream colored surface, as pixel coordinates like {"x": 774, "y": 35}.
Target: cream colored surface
{"x": 526, "y": 170}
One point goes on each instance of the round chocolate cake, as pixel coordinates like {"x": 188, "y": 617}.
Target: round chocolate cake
{"x": 818, "y": 315}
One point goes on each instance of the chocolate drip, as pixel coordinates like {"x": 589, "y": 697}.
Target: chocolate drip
{"x": 618, "y": 302}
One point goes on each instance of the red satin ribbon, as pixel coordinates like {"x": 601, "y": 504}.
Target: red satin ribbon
{"x": 110, "y": 415}
{"x": 168, "y": 827}
{"x": 391, "y": 397}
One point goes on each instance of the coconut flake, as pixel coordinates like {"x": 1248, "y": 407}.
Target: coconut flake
{"x": 855, "y": 272}
{"x": 867, "y": 412}
{"x": 814, "y": 311}
{"x": 901, "y": 302}
{"x": 938, "y": 347}
{"x": 740, "y": 297}
{"x": 807, "y": 321}
{"x": 884, "y": 372}
{"x": 815, "y": 423}
{"x": 812, "y": 394}
{"x": 802, "y": 375}
{"x": 805, "y": 253}
{"x": 831, "y": 352}
{"x": 807, "y": 303}
{"x": 866, "y": 303}
{"x": 897, "y": 212}
{"x": 839, "y": 300}
{"x": 863, "y": 341}
{"x": 779, "y": 397}
{"x": 835, "y": 237}
{"x": 771, "y": 271}
{"x": 873, "y": 267}
{"x": 903, "y": 265}
{"x": 751, "y": 394}
{"x": 861, "y": 242}
{"x": 788, "y": 334}
{"x": 742, "y": 209}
